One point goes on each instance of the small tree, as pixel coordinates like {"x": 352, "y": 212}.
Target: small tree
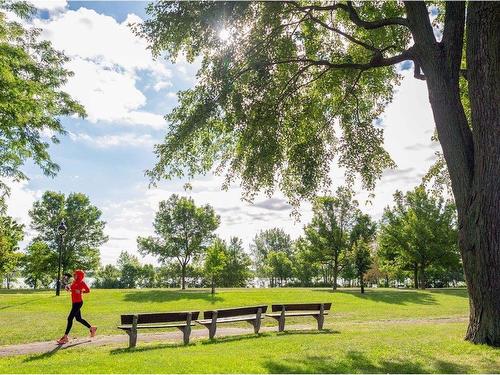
{"x": 130, "y": 270}
{"x": 215, "y": 262}
{"x": 420, "y": 230}
{"x": 278, "y": 267}
{"x": 275, "y": 239}
{"x": 108, "y": 277}
{"x": 11, "y": 233}
{"x": 362, "y": 261}
{"x": 236, "y": 272}
{"x": 84, "y": 235}
{"x": 37, "y": 264}
{"x": 183, "y": 231}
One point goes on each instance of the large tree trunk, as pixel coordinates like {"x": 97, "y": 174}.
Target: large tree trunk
{"x": 415, "y": 276}
{"x": 472, "y": 157}
{"x": 480, "y": 235}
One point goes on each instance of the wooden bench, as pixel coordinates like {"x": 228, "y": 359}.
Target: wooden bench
{"x": 180, "y": 320}
{"x": 316, "y": 310}
{"x": 252, "y": 315}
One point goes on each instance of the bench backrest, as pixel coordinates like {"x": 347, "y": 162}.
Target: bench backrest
{"x": 237, "y": 311}
{"x": 301, "y": 306}
{"x": 159, "y": 317}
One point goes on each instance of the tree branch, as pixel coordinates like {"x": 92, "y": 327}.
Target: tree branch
{"x": 453, "y": 34}
{"x": 354, "y": 16}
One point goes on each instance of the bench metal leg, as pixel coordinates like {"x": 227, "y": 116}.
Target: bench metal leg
{"x": 132, "y": 333}
{"x": 258, "y": 319}
{"x": 213, "y": 326}
{"x": 281, "y": 321}
{"x": 186, "y": 331}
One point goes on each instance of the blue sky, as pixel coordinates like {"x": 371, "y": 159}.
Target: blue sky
{"x": 127, "y": 93}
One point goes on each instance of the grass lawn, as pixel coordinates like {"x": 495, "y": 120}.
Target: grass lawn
{"x": 383, "y": 331}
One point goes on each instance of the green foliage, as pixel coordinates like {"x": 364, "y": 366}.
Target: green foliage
{"x": 107, "y": 277}
{"x": 278, "y": 267}
{"x": 362, "y": 261}
{"x": 287, "y": 94}
{"x": 419, "y": 231}
{"x": 84, "y": 235}
{"x": 31, "y": 100}
{"x": 274, "y": 239}
{"x": 183, "y": 231}
{"x": 130, "y": 270}
{"x": 11, "y": 233}
{"x": 215, "y": 261}
{"x": 236, "y": 271}
{"x": 37, "y": 260}
{"x": 333, "y": 228}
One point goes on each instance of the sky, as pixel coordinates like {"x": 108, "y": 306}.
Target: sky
{"x": 126, "y": 94}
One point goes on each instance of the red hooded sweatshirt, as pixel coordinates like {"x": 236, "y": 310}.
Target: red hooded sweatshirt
{"x": 78, "y": 287}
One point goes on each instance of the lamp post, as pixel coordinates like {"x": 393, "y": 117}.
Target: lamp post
{"x": 61, "y": 230}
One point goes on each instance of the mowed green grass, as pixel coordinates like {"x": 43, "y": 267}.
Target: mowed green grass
{"x": 384, "y": 331}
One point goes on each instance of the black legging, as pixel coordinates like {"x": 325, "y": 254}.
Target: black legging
{"x": 75, "y": 313}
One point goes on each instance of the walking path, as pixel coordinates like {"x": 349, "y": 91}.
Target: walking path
{"x": 176, "y": 336}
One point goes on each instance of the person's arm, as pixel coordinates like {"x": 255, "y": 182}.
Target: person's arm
{"x": 85, "y": 288}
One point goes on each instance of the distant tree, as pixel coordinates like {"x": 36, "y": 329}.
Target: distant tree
{"x": 215, "y": 262}
{"x": 183, "y": 231}
{"x": 305, "y": 268}
{"x": 147, "y": 276}
{"x": 330, "y": 229}
{"x": 108, "y": 277}
{"x": 11, "y": 233}
{"x": 236, "y": 272}
{"x": 362, "y": 261}
{"x": 85, "y": 229}
{"x": 279, "y": 267}
{"x": 420, "y": 230}
{"x": 31, "y": 100}
{"x": 130, "y": 270}
{"x": 275, "y": 239}
{"x": 37, "y": 263}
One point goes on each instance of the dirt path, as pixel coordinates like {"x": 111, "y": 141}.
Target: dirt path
{"x": 176, "y": 337}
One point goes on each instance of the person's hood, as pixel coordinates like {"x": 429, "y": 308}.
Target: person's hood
{"x": 79, "y": 275}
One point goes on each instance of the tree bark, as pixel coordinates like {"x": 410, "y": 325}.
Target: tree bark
{"x": 480, "y": 234}
{"x": 422, "y": 276}
{"x": 415, "y": 276}
{"x": 472, "y": 156}
{"x": 335, "y": 273}
{"x": 361, "y": 283}
{"x": 213, "y": 285}
{"x": 183, "y": 276}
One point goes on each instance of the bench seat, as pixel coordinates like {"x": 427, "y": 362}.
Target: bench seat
{"x": 152, "y": 326}
{"x": 305, "y": 313}
{"x": 183, "y": 320}
{"x": 230, "y": 319}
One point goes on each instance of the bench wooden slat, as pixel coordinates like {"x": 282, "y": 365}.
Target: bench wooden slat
{"x": 159, "y": 317}
{"x": 311, "y": 313}
{"x": 227, "y": 313}
{"x": 300, "y": 306}
{"x": 230, "y": 319}
{"x": 151, "y": 326}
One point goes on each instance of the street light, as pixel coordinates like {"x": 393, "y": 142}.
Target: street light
{"x": 61, "y": 230}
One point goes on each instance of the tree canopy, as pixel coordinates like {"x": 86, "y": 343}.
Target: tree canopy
{"x": 84, "y": 234}
{"x": 32, "y": 102}
{"x": 183, "y": 230}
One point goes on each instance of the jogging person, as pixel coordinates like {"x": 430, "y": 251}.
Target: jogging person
{"x": 77, "y": 288}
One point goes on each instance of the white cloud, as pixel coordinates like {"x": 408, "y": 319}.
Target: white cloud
{"x": 50, "y": 5}
{"x": 116, "y": 140}
{"x": 161, "y": 85}
{"x": 107, "y": 59}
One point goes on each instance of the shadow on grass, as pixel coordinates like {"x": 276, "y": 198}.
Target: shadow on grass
{"x": 357, "y": 362}
{"x": 456, "y": 292}
{"x": 157, "y": 295}
{"x": 31, "y": 301}
{"x": 398, "y": 297}
{"x": 53, "y": 351}
{"x": 219, "y": 340}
